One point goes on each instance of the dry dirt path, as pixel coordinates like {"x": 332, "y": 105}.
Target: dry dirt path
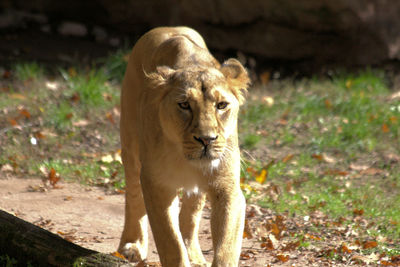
{"x": 90, "y": 217}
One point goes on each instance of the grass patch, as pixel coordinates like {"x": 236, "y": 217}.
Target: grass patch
{"x": 67, "y": 122}
{"x": 328, "y": 146}
{"x": 28, "y": 71}
{"x": 323, "y": 148}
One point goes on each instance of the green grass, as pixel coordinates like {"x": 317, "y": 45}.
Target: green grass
{"x": 328, "y": 146}
{"x": 73, "y": 116}
{"x": 28, "y": 71}
{"x": 6, "y": 261}
{"x": 314, "y": 134}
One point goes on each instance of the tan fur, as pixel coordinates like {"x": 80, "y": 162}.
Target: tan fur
{"x": 177, "y": 133}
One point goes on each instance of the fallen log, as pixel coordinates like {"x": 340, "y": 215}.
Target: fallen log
{"x": 28, "y": 243}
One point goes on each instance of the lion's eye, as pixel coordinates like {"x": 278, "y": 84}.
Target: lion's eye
{"x": 222, "y": 105}
{"x": 184, "y": 105}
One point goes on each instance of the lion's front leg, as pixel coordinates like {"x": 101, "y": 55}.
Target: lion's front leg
{"x": 189, "y": 223}
{"x": 134, "y": 239}
{"x": 227, "y": 222}
{"x": 162, "y": 205}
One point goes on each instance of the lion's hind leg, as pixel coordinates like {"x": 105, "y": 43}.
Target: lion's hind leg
{"x": 189, "y": 222}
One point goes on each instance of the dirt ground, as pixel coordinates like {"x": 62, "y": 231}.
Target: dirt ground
{"x": 90, "y": 217}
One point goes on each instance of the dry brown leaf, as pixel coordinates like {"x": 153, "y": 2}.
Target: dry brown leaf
{"x": 336, "y": 172}
{"x": 345, "y": 249}
{"x": 369, "y": 244}
{"x": 12, "y": 121}
{"x": 268, "y": 245}
{"x": 25, "y": 113}
{"x": 328, "y": 104}
{"x": 17, "y": 96}
{"x": 282, "y": 258}
{"x": 265, "y": 77}
{"x": 247, "y": 232}
{"x": 287, "y": 158}
{"x": 385, "y": 128}
{"x": 372, "y": 171}
{"x": 118, "y": 255}
{"x": 53, "y": 178}
{"x": 358, "y": 212}
{"x": 110, "y": 117}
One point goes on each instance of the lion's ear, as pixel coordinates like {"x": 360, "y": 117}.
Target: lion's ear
{"x": 160, "y": 76}
{"x": 237, "y": 78}
{"x": 165, "y": 72}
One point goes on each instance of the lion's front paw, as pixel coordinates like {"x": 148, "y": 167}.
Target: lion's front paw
{"x": 202, "y": 264}
{"x": 132, "y": 252}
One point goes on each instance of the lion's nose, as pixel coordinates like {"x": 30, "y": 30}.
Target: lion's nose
{"x": 205, "y": 140}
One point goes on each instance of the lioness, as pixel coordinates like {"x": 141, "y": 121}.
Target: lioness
{"x": 179, "y": 109}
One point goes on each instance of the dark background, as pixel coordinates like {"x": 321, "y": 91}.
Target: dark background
{"x": 305, "y": 35}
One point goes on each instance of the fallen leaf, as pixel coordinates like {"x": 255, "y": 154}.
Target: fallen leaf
{"x": 269, "y": 101}
{"x": 328, "y": 104}
{"x": 318, "y": 157}
{"x": 17, "y": 96}
{"x": 368, "y": 259}
{"x": 81, "y": 123}
{"x": 287, "y": 158}
{"x": 385, "y": 128}
{"x": 6, "y": 74}
{"x": 267, "y": 245}
{"x": 110, "y": 117}
{"x": 358, "y": 212}
{"x": 52, "y": 85}
{"x": 69, "y": 116}
{"x": 369, "y": 244}
{"x": 25, "y": 113}
{"x": 395, "y": 95}
{"x": 118, "y": 255}
{"x": 349, "y": 83}
{"x": 75, "y": 97}
{"x": 72, "y": 72}
{"x": 336, "y": 172}
{"x": 39, "y": 135}
{"x": 13, "y": 122}
{"x": 262, "y": 176}
{"x": 393, "y": 119}
{"x": 282, "y": 258}
{"x": 291, "y": 246}
{"x": 7, "y": 168}
{"x": 107, "y": 158}
{"x": 358, "y": 167}
{"x": 265, "y": 77}
{"x": 345, "y": 249}
{"x": 372, "y": 171}
{"x": 53, "y": 178}
{"x": 309, "y": 236}
{"x": 247, "y": 232}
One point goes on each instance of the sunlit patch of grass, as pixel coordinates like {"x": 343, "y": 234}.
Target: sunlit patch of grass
{"x": 28, "y": 71}
{"x": 87, "y": 172}
{"x": 115, "y": 64}
{"x": 349, "y": 117}
{"x": 89, "y": 88}
{"x": 250, "y": 140}
{"x": 74, "y": 112}
{"x": 61, "y": 116}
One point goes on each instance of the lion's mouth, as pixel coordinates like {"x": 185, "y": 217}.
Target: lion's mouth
{"x": 205, "y": 153}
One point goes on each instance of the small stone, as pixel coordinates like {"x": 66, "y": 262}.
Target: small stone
{"x": 72, "y": 29}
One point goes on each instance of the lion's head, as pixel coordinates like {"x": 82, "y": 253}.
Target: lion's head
{"x": 198, "y": 108}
